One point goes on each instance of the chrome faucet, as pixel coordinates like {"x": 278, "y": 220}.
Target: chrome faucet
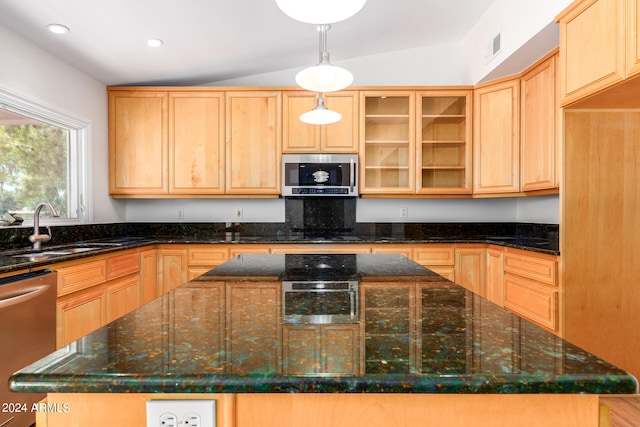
{"x": 36, "y": 237}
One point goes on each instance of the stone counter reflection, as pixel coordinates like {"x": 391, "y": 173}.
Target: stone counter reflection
{"x": 415, "y": 334}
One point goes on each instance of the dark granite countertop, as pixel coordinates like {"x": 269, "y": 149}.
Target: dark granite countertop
{"x": 9, "y": 263}
{"x": 225, "y": 332}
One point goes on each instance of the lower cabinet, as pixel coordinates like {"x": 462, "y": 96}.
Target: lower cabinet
{"x": 79, "y": 315}
{"x": 495, "y": 275}
{"x": 470, "y": 267}
{"x": 438, "y": 258}
{"x": 123, "y": 296}
{"x": 172, "y": 267}
{"x": 321, "y": 349}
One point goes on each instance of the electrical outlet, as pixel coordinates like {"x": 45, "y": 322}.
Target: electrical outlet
{"x": 238, "y": 213}
{"x": 404, "y": 212}
{"x": 180, "y": 213}
{"x": 181, "y": 413}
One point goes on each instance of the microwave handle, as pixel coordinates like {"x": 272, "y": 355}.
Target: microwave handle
{"x": 352, "y": 175}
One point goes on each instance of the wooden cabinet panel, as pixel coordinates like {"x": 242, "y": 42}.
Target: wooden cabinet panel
{"x": 298, "y": 137}
{"x": 496, "y": 143}
{"x": 495, "y": 275}
{"x": 591, "y": 47}
{"x": 123, "y": 265}
{"x": 138, "y": 143}
{"x": 236, "y": 250}
{"x": 532, "y": 301}
{"x": 254, "y": 310}
{"x": 80, "y": 315}
{"x": 471, "y": 268}
{"x": 538, "y": 112}
{"x": 172, "y": 268}
{"x": 633, "y": 41}
{"x": 254, "y": 142}
{"x": 405, "y": 250}
{"x": 196, "y": 143}
{"x": 207, "y": 255}
{"x": 123, "y": 296}
{"x": 434, "y": 255}
{"x": 81, "y": 276}
{"x": 148, "y": 276}
{"x": 537, "y": 267}
{"x": 320, "y": 349}
{"x": 342, "y": 136}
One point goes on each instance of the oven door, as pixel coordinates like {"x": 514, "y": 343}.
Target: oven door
{"x": 319, "y": 302}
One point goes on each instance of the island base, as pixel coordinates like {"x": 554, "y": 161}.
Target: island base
{"x": 338, "y": 410}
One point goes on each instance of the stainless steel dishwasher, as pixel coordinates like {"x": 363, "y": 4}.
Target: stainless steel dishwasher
{"x": 27, "y": 333}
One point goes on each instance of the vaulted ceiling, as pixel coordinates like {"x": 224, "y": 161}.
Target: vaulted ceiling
{"x": 213, "y": 40}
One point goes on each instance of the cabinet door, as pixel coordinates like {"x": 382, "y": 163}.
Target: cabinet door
{"x": 299, "y": 137}
{"x": 496, "y": 145}
{"x": 495, "y": 275}
{"x": 592, "y": 49}
{"x": 538, "y": 111}
{"x": 148, "y": 276}
{"x": 138, "y": 146}
{"x": 123, "y": 296}
{"x": 253, "y": 310}
{"x": 471, "y": 268}
{"x": 633, "y": 40}
{"x": 254, "y": 142}
{"x": 444, "y": 142}
{"x": 387, "y": 142}
{"x": 342, "y": 136}
{"x": 77, "y": 316}
{"x": 196, "y": 143}
{"x": 172, "y": 268}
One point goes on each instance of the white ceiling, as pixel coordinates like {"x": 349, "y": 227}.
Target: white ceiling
{"x": 214, "y": 40}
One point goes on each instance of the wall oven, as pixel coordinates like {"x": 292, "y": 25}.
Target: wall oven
{"x": 320, "y": 175}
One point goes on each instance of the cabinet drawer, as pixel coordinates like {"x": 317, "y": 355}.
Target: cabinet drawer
{"x": 207, "y": 256}
{"x": 531, "y": 300}
{"x": 123, "y": 265}
{"x": 434, "y": 255}
{"x": 539, "y": 268}
{"x": 81, "y": 276}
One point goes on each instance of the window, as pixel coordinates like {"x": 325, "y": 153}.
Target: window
{"x": 41, "y": 159}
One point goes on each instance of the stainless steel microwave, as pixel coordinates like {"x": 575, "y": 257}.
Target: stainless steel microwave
{"x": 320, "y": 175}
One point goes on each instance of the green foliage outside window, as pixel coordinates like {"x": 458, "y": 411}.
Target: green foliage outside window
{"x": 33, "y": 167}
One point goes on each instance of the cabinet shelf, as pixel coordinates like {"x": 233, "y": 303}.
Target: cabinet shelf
{"x": 395, "y": 143}
{"x": 441, "y": 167}
{"x": 386, "y": 118}
{"x": 444, "y": 142}
{"x": 387, "y": 167}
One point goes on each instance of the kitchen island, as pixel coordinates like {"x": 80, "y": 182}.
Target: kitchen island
{"x": 410, "y": 348}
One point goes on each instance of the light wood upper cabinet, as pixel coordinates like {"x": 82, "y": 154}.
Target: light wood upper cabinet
{"x": 496, "y": 144}
{"x": 598, "y": 46}
{"x": 196, "y": 143}
{"x": 254, "y": 142}
{"x": 538, "y": 114}
{"x": 633, "y": 43}
{"x": 444, "y": 141}
{"x": 339, "y": 137}
{"x": 138, "y": 143}
{"x": 387, "y": 142}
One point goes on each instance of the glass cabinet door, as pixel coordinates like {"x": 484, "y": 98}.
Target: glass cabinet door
{"x": 387, "y": 145}
{"x": 444, "y": 144}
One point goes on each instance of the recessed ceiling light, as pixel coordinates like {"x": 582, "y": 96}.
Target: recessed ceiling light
{"x": 58, "y": 28}
{"x": 155, "y": 42}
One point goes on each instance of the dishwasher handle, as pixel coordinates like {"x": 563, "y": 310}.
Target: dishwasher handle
{"x": 23, "y": 295}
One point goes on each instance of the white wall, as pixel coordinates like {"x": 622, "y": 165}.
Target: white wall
{"x": 31, "y": 72}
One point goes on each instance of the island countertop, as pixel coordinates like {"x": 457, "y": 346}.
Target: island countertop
{"x": 414, "y": 332}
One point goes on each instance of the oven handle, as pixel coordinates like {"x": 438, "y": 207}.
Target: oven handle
{"x": 352, "y": 175}
{"x": 24, "y": 296}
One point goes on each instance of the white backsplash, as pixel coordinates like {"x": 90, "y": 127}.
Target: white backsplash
{"x": 542, "y": 209}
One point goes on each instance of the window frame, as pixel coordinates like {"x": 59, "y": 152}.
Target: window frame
{"x": 79, "y": 156}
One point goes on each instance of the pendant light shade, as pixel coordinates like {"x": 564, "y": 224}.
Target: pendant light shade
{"x": 320, "y": 11}
{"x": 324, "y": 76}
{"x": 320, "y": 115}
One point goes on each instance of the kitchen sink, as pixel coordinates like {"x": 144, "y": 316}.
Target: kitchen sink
{"x": 40, "y": 255}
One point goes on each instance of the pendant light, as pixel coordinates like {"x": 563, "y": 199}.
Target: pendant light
{"x": 320, "y": 115}
{"x": 324, "y": 76}
{"x": 320, "y": 11}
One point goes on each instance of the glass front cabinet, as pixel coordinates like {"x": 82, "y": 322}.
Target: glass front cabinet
{"x": 416, "y": 142}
